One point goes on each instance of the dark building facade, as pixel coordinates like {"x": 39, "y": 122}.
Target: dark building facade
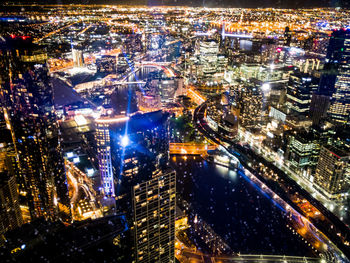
{"x": 335, "y": 80}
{"x": 27, "y": 101}
{"x": 300, "y": 88}
{"x": 318, "y": 108}
{"x": 10, "y": 212}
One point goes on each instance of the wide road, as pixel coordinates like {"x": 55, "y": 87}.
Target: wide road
{"x": 328, "y": 249}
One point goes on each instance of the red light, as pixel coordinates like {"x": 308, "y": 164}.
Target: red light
{"x": 279, "y": 49}
{"x": 13, "y": 36}
{"x": 23, "y": 37}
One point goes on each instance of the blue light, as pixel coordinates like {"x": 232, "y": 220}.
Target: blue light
{"x": 125, "y": 141}
{"x": 90, "y": 171}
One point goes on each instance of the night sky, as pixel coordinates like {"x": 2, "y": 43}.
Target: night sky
{"x": 213, "y": 3}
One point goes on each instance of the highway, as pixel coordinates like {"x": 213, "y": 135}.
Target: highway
{"x": 323, "y": 244}
{"x": 77, "y": 180}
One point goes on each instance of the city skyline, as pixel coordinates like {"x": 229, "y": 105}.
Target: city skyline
{"x": 148, "y": 133}
{"x": 208, "y": 3}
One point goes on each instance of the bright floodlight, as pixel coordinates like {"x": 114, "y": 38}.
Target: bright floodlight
{"x": 125, "y": 141}
{"x": 266, "y": 87}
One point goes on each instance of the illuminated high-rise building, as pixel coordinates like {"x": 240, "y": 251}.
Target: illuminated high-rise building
{"x": 250, "y": 103}
{"x": 332, "y": 172}
{"x": 208, "y": 56}
{"x": 104, "y": 157}
{"x": 335, "y": 81}
{"x": 299, "y": 92}
{"x": 10, "y": 212}
{"x": 154, "y": 203}
{"x": 27, "y": 101}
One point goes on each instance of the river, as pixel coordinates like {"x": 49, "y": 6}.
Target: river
{"x": 246, "y": 218}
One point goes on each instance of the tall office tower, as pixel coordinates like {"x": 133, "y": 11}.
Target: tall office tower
{"x": 287, "y": 36}
{"x": 104, "y": 157}
{"x": 318, "y": 108}
{"x": 332, "y": 172}
{"x": 335, "y": 80}
{"x": 26, "y": 98}
{"x": 10, "y": 212}
{"x": 250, "y": 103}
{"x": 78, "y": 58}
{"x": 154, "y": 203}
{"x": 208, "y": 55}
{"x": 300, "y": 88}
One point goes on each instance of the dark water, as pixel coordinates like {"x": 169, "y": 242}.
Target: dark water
{"x": 240, "y": 213}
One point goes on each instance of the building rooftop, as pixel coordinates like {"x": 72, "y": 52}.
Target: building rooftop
{"x": 338, "y": 152}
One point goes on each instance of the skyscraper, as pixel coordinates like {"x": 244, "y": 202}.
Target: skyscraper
{"x": 287, "y": 36}
{"x": 208, "y": 56}
{"x": 104, "y": 154}
{"x": 26, "y": 98}
{"x": 154, "y": 203}
{"x": 318, "y": 108}
{"x": 332, "y": 171}
{"x": 10, "y": 212}
{"x": 336, "y": 80}
{"x": 299, "y": 91}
